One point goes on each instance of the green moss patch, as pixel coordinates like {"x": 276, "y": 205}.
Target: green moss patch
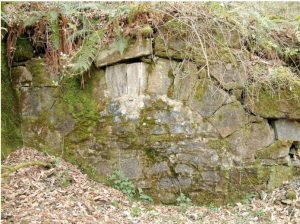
{"x": 276, "y": 94}
{"x": 24, "y": 49}
{"x": 37, "y": 68}
{"x": 10, "y": 117}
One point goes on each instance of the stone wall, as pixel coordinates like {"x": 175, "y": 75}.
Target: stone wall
{"x": 166, "y": 124}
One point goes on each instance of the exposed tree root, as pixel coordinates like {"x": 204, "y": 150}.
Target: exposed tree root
{"x": 12, "y": 169}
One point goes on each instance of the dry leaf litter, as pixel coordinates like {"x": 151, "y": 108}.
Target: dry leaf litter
{"x": 63, "y": 194}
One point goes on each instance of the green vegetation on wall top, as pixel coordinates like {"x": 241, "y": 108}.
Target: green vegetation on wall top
{"x": 212, "y": 27}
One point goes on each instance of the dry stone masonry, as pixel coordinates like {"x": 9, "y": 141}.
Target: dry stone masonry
{"x": 164, "y": 123}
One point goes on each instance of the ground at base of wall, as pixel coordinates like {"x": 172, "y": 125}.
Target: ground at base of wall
{"x": 62, "y": 193}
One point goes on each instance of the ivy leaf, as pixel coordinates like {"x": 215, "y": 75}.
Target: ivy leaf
{"x": 121, "y": 44}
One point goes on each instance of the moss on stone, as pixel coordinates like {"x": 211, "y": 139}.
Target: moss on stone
{"x": 273, "y": 150}
{"x": 162, "y": 49}
{"x": 171, "y": 87}
{"x": 82, "y": 107}
{"x": 37, "y": 68}
{"x": 243, "y": 181}
{"x": 279, "y": 174}
{"x": 10, "y": 117}
{"x": 291, "y": 194}
{"x": 176, "y": 26}
{"x": 24, "y": 49}
{"x": 200, "y": 89}
{"x": 207, "y": 198}
{"x": 152, "y": 154}
{"x": 278, "y": 104}
{"x": 219, "y": 144}
{"x": 146, "y": 31}
{"x": 277, "y": 96}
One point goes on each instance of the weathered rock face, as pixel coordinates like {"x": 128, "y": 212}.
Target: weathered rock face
{"x": 163, "y": 123}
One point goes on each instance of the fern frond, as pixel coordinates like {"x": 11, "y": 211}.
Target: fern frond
{"x": 77, "y": 34}
{"x": 30, "y": 20}
{"x": 87, "y": 53}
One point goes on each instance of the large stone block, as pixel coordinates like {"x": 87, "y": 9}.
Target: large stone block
{"x": 229, "y": 118}
{"x": 185, "y": 81}
{"x": 200, "y": 158}
{"x": 131, "y": 167}
{"x": 287, "y": 130}
{"x": 111, "y": 55}
{"x": 126, "y": 79}
{"x": 247, "y": 140}
{"x": 159, "y": 169}
{"x": 21, "y": 76}
{"x": 99, "y": 87}
{"x": 277, "y": 153}
{"x": 207, "y": 98}
{"x": 160, "y": 77}
{"x": 275, "y": 99}
{"x": 116, "y": 80}
{"x": 136, "y": 79}
{"x": 171, "y": 48}
{"x": 40, "y": 74}
{"x": 230, "y": 76}
{"x": 35, "y": 100}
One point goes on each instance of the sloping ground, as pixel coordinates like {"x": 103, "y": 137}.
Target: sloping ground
{"x": 62, "y": 194}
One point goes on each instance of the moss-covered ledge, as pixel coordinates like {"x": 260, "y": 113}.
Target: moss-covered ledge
{"x": 278, "y": 96}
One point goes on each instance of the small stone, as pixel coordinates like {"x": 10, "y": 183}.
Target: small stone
{"x": 183, "y": 169}
{"x": 230, "y": 77}
{"x": 159, "y": 168}
{"x": 286, "y": 202}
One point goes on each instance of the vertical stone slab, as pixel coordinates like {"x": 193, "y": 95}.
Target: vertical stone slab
{"x": 116, "y": 79}
{"x": 136, "y": 79}
{"x": 126, "y": 79}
